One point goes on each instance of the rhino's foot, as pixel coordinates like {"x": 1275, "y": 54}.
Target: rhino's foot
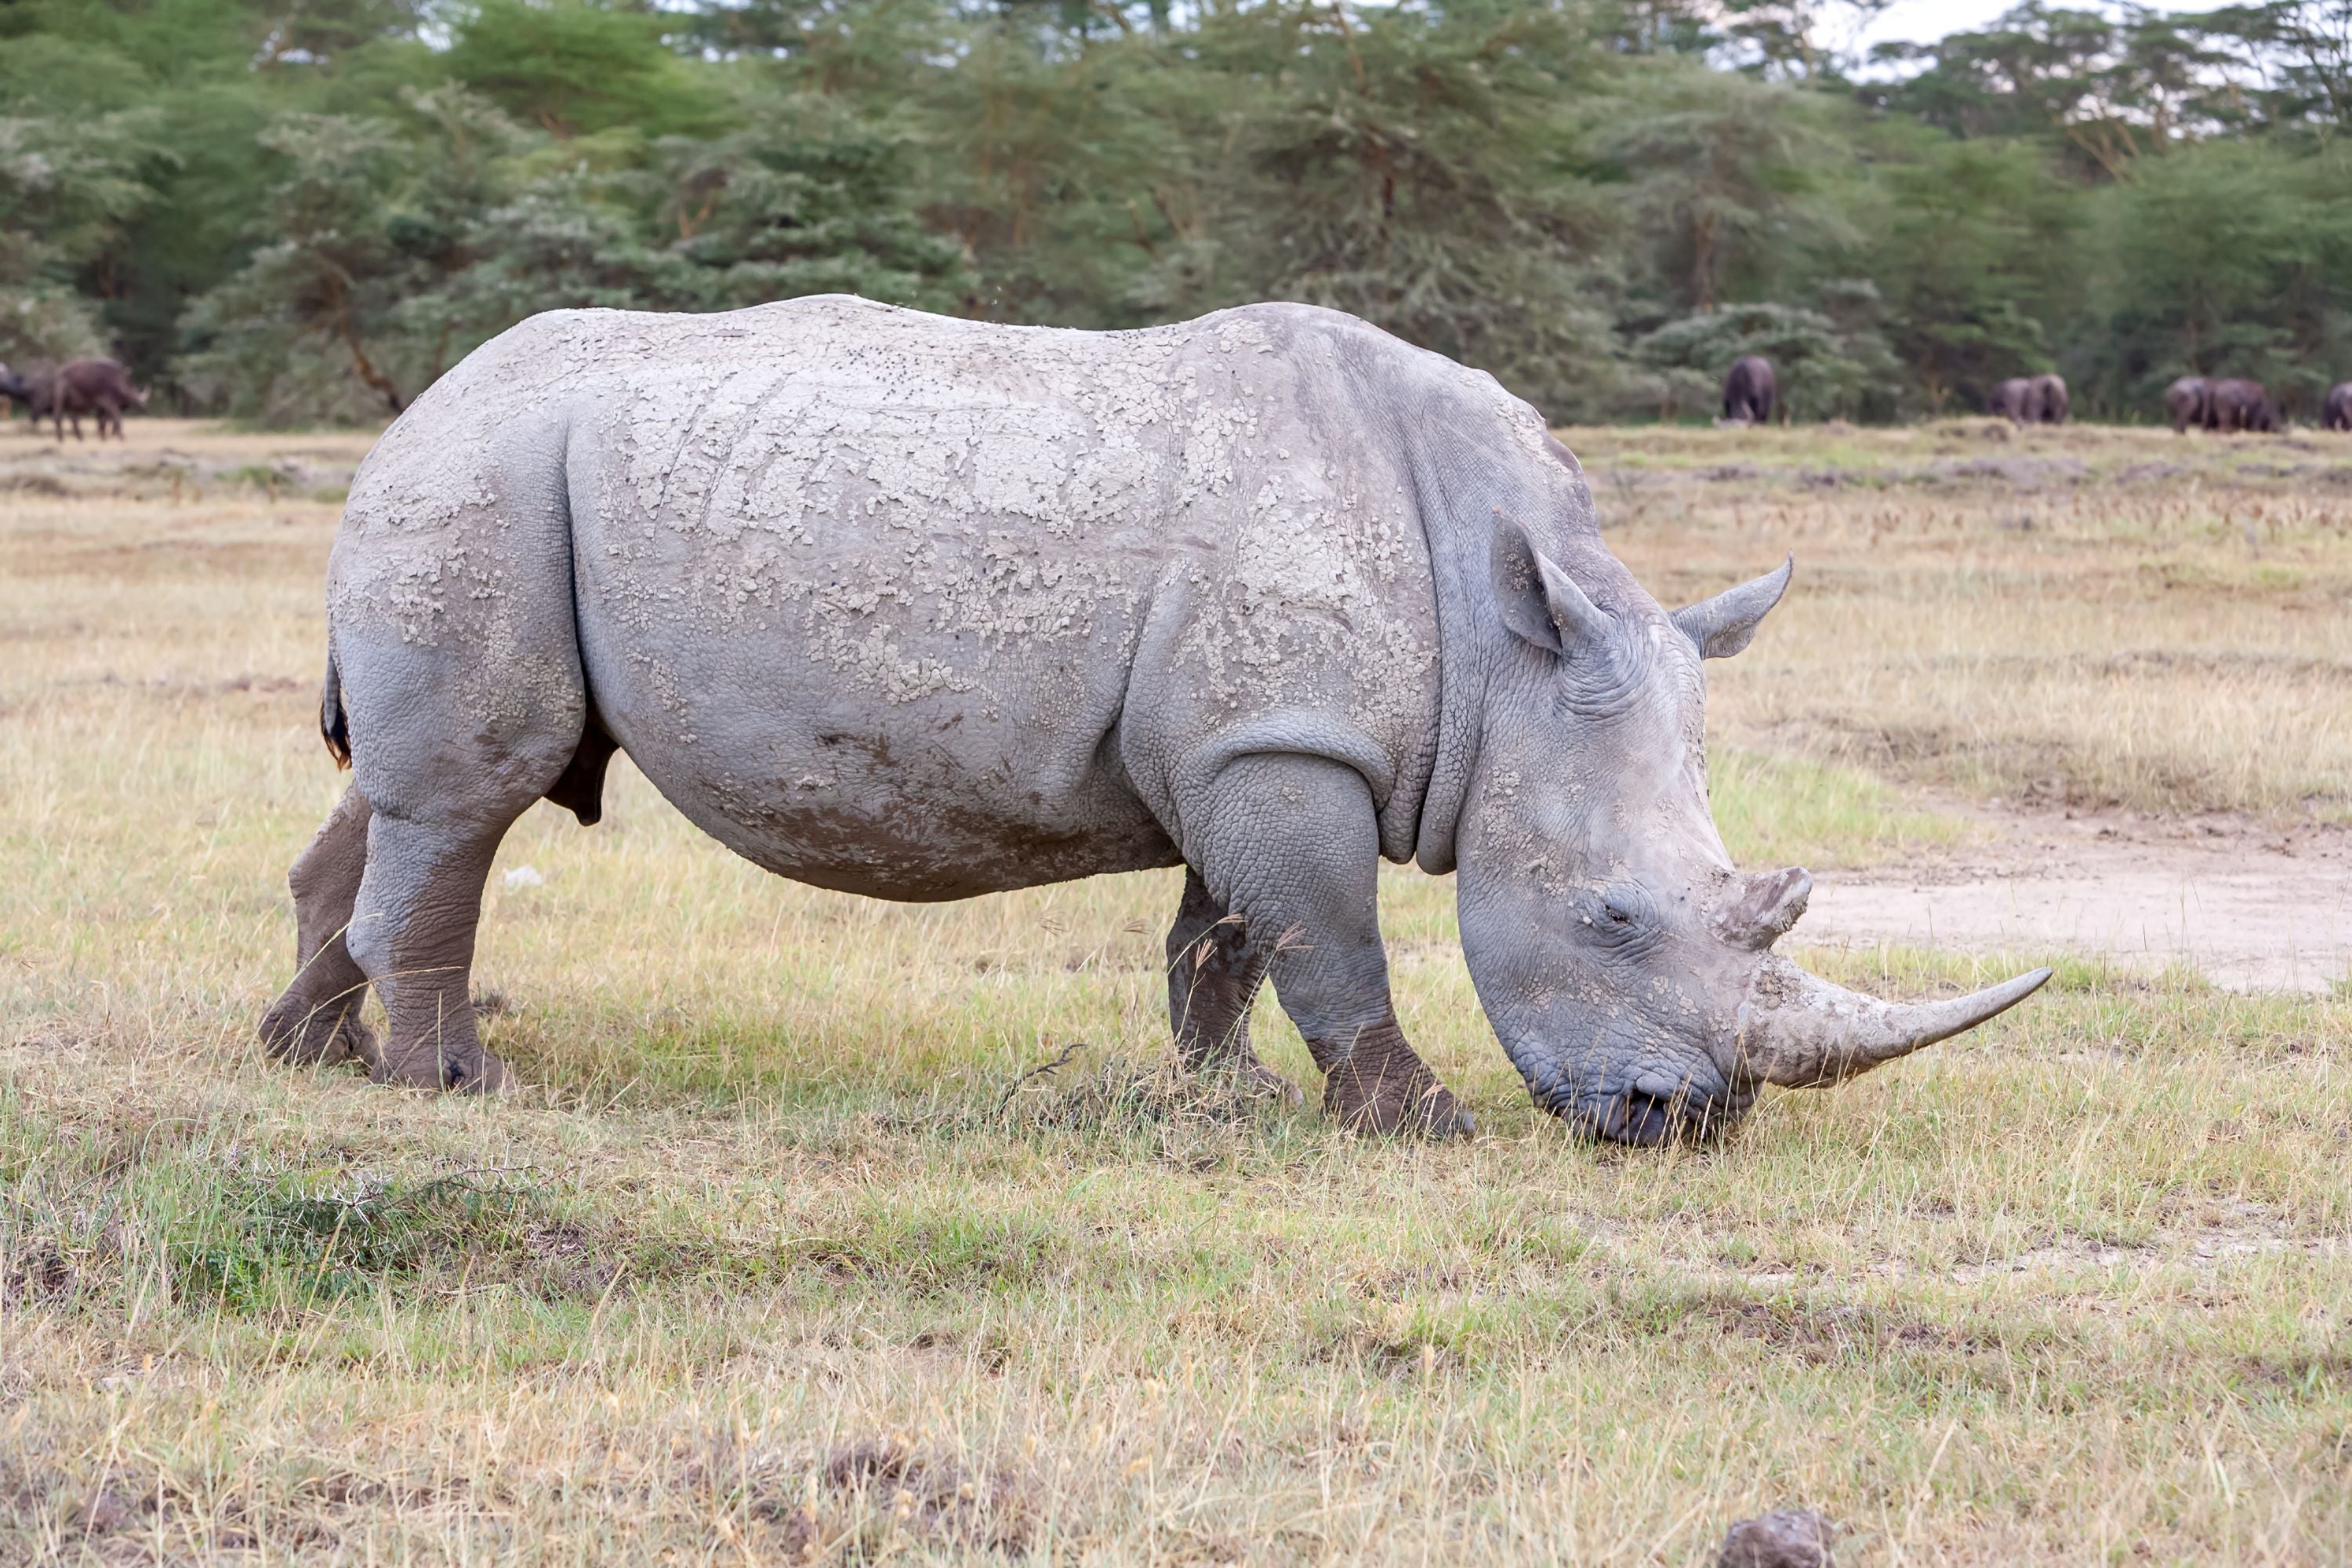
{"x": 478, "y": 1072}
{"x": 1375, "y": 1083}
{"x": 485, "y": 1074}
{"x": 302, "y": 1034}
{"x": 1424, "y": 1109}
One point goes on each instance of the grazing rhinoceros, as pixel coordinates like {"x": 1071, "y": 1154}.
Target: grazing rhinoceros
{"x": 923, "y": 608}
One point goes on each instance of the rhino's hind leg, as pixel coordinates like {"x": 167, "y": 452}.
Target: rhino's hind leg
{"x": 1214, "y": 970}
{"x": 413, "y": 931}
{"x": 1292, "y": 845}
{"x": 318, "y": 1019}
{"x": 444, "y": 786}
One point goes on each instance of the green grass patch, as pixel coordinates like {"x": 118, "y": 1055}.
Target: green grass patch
{"x": 1786, "y": 811}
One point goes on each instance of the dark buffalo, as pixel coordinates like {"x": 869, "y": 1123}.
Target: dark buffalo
{"x": 15, "y": 387}
{"x": 2336, "y": 413}
{"x": 102, "y": 387}
{"x": 1750, "y": 390}
{"x": 2233, "y": 405}
{"x": 2185, "y": 400}
{"x": 2014, "y": 400}
{"x": 2049, "y": 400}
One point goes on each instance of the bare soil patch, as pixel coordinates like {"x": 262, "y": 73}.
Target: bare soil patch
{"x": 2249, "y": 905}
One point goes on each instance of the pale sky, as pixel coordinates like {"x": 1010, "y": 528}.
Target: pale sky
{"x": 1922, "y": 21}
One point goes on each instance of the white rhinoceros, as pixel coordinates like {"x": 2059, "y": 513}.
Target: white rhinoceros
{"x": 921, "y": 608}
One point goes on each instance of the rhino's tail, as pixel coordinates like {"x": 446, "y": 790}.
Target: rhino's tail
{"x": 334, "y": 724}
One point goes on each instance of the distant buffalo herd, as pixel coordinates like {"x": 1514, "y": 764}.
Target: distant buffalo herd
{"x": 95, "y": 387}
{"x": 2226, "y": 404}
{"x": 103, "y": 388}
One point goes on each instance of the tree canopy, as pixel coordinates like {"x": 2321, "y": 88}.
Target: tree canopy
{"x": 304, "y": 210}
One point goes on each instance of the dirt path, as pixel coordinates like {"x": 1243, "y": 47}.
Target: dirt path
{"x": 2252, "y": 908}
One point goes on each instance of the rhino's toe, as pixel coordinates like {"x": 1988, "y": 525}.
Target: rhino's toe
{"x": 485, "y": 1074}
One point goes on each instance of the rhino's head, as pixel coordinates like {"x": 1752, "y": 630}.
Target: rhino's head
{"x": 1625, "y": 963}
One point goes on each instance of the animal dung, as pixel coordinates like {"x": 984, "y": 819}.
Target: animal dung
{"x": 1785, "y": 1538}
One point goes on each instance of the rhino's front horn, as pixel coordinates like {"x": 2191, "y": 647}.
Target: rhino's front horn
{"x": 1799, "y": 1031}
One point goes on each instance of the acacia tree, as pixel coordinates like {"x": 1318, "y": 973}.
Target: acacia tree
{"x": 70, "y": 190}
{"x": 1721, "y": 173}
{"x": 1410, "y": 168}
{"x": 318, "y": 303}
{"x": 1961, "y": 237}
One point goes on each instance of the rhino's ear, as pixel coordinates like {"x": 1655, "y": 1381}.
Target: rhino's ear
{"x": 1722, "y": 625}
{"x": 1537, "y": 600}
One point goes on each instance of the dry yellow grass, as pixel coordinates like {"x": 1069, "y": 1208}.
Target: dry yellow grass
{"x": 2085, "y": 615}
{"x": 764, "y": 1265}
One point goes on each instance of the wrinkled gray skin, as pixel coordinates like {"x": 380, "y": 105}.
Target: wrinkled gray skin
{"x": 921, "y": 608}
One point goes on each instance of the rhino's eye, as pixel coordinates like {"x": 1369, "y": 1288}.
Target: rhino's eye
{"x": 1622, "y": 915}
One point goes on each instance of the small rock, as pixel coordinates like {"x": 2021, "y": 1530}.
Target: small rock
{"x": 526, "y": 877}
{"x": 1785, "y": 1538}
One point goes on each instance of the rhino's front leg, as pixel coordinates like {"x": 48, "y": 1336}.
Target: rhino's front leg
{"x": 1293, "y": 847}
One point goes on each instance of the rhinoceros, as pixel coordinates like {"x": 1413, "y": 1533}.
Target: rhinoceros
{"x": 923, "y": 608}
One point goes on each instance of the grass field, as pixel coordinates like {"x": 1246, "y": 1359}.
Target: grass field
{"x": 778, "y": 1257}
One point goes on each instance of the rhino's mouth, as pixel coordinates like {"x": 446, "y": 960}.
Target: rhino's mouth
{"x": 1653, "y": 1111}
{"x": 1650, "y": 1108}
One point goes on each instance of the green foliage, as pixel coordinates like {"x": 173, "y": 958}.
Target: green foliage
{"x": 1824, "y": 370}
{"x": 2228, "y": 264}
{"x": 67, "y": 192}
{"x": 307, "y": 215}
{"x": 571, "y": 67}
{"x": 1967, "y": 235}
{"x": 1409, "y": 168}
{"x": 307, "y": 324}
